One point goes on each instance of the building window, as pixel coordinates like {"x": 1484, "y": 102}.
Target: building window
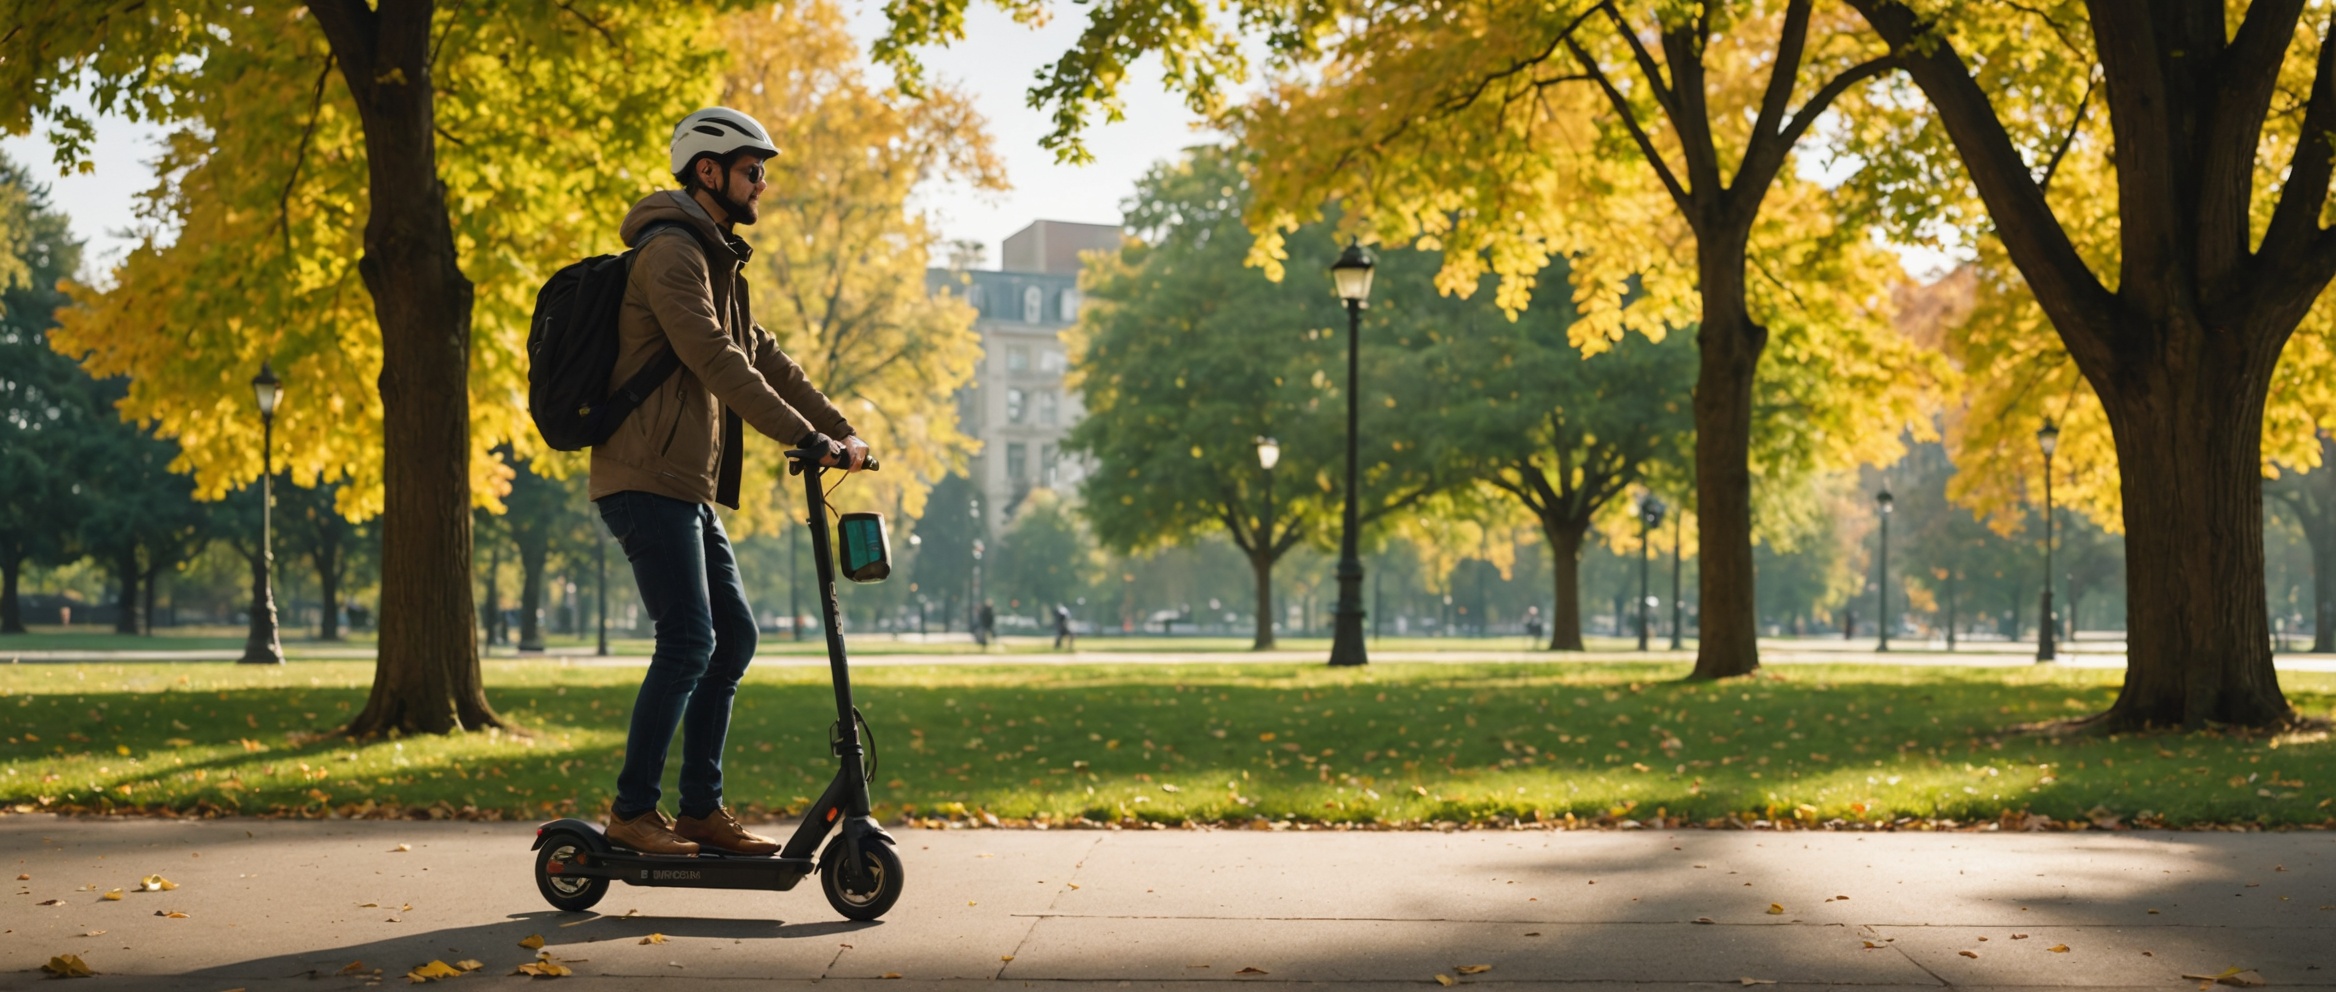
{"x": 1052, "y": 362}
{"x": 1016, "y": 400}
{"x": 1047, "y": 406}
{"x": 968, "y": 408}
{"x": 1017, "y": 462}
{"x": 1046, "y": 472}
{"x": 1070, "y": 305}
{"x": 1033, "y": 305}
{"x": 977, "y": 298}
{"x": 1017, "y": 358}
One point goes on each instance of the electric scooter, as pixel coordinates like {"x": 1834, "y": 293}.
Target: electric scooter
{"x": 859, "y": 871}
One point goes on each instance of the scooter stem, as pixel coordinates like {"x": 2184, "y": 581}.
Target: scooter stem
{"x": 848, "y": 747}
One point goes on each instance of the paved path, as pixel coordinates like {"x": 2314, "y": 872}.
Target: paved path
{"x": 276, "y": 905}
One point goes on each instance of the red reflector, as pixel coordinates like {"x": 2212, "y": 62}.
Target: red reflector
{"x": 555, "y": 867}
{"x": 831, "y": 813}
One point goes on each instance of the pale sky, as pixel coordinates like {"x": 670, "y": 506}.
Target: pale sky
{"x": 995, "y": 63}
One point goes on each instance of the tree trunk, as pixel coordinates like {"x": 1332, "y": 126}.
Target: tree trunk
{"x": 326, "y": 556}
{"x": 11, "y": 608}
{"x": 534, "y": 548}
{"x": 426, "y": 678}
{"x": 149, "y": 581}
{"x": 126, "y": 608}
{"x": 2189, "y": 442}
{"x": 1565, "y": 569}
{"x": 1730, "y": 344}
{"x": 1261, "y": 566}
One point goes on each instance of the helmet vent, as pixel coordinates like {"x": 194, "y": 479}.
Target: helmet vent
{"x": 703, "y": 129}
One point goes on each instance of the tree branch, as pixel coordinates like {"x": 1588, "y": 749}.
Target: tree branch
{"x": 1771, "y": 152}
{"x": 1646, "y": 145}
{"x": 300, "y": 158}
{"x": 1646, "y": 60}
{"x": 2044, "y": 185}
{"x": 1785, "y": 70}
{"x": 2295, "y": 220}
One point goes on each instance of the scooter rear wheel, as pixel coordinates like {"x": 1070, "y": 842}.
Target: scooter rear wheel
{"x": 571, "y": 893}
{"x": 883, "y": 881}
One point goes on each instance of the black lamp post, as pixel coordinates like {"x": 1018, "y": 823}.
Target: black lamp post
{"x": 2047, "y": 438}
{"x": 1678, "y": 609}
{"x": 1269, "y": 454}
{"x": 1352, "y": 273}
{"x": 600, "y": 588}
{"x": 262, "y": 646}
{"x": 1650, "y": 516}
{"x": 1886, "y": 503}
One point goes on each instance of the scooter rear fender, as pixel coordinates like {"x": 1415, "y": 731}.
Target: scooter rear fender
{"x": 594, "y": 834}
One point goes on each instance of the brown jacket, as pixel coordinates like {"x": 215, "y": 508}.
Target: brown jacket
{"x": 685, "y": 439}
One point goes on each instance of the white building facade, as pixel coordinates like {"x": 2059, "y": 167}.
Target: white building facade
{"x": 1017, "y": 405}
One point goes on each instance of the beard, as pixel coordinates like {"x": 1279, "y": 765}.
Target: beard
{"x": 740, "y": 212}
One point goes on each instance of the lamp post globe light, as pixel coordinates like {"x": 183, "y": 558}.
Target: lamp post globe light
{"x": 1352, "y": 273}
{"x": 262, "y": 647}
{"x": 1886, "y": 503}
{"x": 1650, "y": 516}
{"x": 2047, "y": 438}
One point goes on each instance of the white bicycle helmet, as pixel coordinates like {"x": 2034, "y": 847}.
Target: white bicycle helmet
{"x": 718, "y": 131}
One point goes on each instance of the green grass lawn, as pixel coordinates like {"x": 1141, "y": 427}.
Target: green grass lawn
{"x": 297, "y": 645}
{"x": 1389, "y": 744}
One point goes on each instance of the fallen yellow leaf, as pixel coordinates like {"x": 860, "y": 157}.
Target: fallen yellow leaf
{"x": 1445, "y": 980}
{"x": 889, "y": 974}
{"x": 1870, "y": 945}
{"x": 1776, "y": 909}
{"x": 1968, "y": 954}
{"x": 156, "y": 883}
{"x": 171, "y": 915}
{"x": 67, "y": 966}
{"x": 401, "y": 848}
{"x": 1005, "y": 957}
{"x": 432, "y": 972}
{"x": 545, "y": 968}
{"x": 353, "y": 967}
{"x": 655, "y": 938}
{"x": 1756, "y": 981}
{"x": 533, "y": 941}
{"x": 469, "y": 964}
{"x": 114, "y": 896}
{"x": 1473, "y": 969}
{"x": 2058, "y": 948}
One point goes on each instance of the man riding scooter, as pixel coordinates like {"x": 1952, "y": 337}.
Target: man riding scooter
{"x": 655, "y": 479}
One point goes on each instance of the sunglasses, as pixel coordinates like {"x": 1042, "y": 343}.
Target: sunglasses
{"x": 755, "y": 172}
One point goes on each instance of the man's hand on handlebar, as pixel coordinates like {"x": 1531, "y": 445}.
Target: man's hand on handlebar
{"x": 851, "y": 455}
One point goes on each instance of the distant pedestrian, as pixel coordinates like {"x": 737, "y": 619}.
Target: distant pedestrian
{"x": 1533, "y": 624}
{"x": 1062, "y": 628}
{"x": 986, "y": 624}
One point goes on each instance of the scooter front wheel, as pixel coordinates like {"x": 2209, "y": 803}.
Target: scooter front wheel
{"x": 881, "y": 868}
{"x": 572, "y": 893}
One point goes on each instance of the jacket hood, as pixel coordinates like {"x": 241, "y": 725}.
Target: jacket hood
{"x": 675, "y": 206}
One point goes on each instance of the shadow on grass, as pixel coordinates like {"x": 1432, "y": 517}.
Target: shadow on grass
{"x": 1391, "y": 744}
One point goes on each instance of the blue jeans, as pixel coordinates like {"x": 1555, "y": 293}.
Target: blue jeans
{"x": 705, "y": 637}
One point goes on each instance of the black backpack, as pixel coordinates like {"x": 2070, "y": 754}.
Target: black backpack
{"x": 571, "y": 352}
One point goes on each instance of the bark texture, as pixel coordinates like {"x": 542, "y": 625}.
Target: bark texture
{"x": 1730, "y": 343}
{"x": 427, "y": 677}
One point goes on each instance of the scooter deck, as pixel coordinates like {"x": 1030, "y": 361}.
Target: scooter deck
{"x": 704, "y": 871}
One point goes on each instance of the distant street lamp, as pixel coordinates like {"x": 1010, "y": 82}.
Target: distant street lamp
{"x": 1887, "y": 503}
{"x": 262, "y": 646}
{"x": 2047, "y": 438}
{"x": 1269, "y": 454}
{"x": 1678, "y": 608}
{"x": 1650, "y": 516}
{"x": 1352, "y": 273}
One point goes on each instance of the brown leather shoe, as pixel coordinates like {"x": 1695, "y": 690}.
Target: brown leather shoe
{"x": 720, "y": 831}
{"x": 648, "y": 833}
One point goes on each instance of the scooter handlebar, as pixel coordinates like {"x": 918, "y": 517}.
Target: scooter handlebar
{"x": 796, "y": 457}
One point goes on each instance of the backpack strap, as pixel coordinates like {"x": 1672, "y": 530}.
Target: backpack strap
{"x": 636, "y": 389}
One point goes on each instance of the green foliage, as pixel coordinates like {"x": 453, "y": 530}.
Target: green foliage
{"x": 1394, "y": 744}
{"x": 47, "y": 406}
{"x": 1185, "y": 356}
{"x": 1046, "y": 557}
{"x": 551, "y": 121}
